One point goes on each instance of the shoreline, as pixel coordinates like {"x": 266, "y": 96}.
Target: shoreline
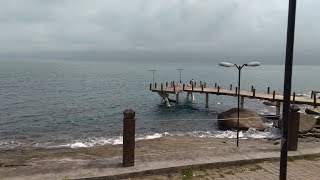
{"x": 270, "y": 133}
{"x": 173, "y": 151}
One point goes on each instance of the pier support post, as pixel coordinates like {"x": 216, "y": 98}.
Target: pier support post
{"x": 128, "y": 138}
{"x": 241, "y": 102}
{"x": 277, "y": 121}
{"x": 207, "y": 100}
{"x": 293, "y": 128}
{"x": 278, "y": 108}
{"x": 177, "y": 97}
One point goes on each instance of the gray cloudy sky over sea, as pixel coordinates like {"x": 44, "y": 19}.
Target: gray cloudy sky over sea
{"x": 157, "y": 29}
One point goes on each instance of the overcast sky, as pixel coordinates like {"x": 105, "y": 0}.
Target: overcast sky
{"x": 206, "y": 29}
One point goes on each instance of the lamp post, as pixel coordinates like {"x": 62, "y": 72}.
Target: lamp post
{"x": 180, "y": 69}
{"x": 153, "y": 70}
{"x": 239, "y": 67}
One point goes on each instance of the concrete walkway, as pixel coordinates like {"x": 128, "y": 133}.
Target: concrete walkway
{"x": 168, "y": 154}
{"x": 297, "y": 170}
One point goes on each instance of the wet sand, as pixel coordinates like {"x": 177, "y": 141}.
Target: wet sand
{"x": 59, "y": 163}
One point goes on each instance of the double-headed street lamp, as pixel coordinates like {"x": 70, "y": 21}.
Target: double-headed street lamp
{"x": 180, "y": 69}
{"x": 153, "y": 70}
{"x": 239, "y": 67}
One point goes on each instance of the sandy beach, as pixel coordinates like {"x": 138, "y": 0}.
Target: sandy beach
{"x": 58, "y": 163}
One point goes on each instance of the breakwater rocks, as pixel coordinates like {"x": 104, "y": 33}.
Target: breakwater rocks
{"x": 249, "y": 119}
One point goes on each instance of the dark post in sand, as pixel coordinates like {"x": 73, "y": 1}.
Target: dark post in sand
{"x": 293, "y": 130}
{"x": 128, "y": 137}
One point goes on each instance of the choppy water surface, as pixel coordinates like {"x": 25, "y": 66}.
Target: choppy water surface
{"x": 80, "y": 103}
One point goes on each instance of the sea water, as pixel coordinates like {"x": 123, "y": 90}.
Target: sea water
{"x": 69, "y": 103}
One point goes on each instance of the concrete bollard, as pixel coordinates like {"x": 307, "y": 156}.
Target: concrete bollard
{"x": 293, "y": 128}
{"x": 128, "y": 137}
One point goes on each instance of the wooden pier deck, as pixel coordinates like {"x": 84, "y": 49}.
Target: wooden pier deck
{"x": 270, "y": 96}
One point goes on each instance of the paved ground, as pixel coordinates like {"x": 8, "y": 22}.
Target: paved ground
{"x": 303, "y": 169}
{"x": 166, "y": 154}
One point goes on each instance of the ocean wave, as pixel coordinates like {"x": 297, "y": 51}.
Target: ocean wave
{"x": 269, "y": 133}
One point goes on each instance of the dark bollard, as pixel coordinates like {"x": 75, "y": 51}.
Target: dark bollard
{"x": 311, "y": 94}
{"x": 202, "y": 87}
{"x": 183, "y": 86}
{"x": 252, "y": 88}
{"x": 128, "y": 137}
{"x": 174, "y": 88}
{"x": 173, "y": 83}
{"x": 236, "y": 90}
{"x": 161, "y": 87}
{"x": 274, "y": 95}
{"x": 268, "y": 90}
{"x": 218, "y": 89}
{"x": 150, "y": 86}
{"x": 155, "y": 85}
{"x": 294, "y": 97}
{"x": 293, "y": 128}
{"x": 315, "y": 100}
{"x": 230, "y": 87}
{"x": 215, "y": 85}
{"x": 253, "y": 92}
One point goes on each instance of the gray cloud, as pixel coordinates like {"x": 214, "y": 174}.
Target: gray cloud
{"x": 247, "y": 28}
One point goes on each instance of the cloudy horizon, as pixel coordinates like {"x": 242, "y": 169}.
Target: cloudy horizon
{"x": 173, "y": 29}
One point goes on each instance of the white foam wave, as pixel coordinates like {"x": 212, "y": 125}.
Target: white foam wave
{"x": 9, "y": 144}
{"x": 270, "y": 133}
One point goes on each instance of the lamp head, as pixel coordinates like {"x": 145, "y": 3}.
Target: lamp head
{"x": 226, "y": 64}
{"x": 253, "y": 64}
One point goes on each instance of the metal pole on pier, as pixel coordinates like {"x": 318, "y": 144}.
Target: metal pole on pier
{"x": 180, "y": 69}
{"x": 153, "y": 70}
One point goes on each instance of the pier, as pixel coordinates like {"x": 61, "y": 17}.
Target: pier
{"x": 193, "y": 87}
